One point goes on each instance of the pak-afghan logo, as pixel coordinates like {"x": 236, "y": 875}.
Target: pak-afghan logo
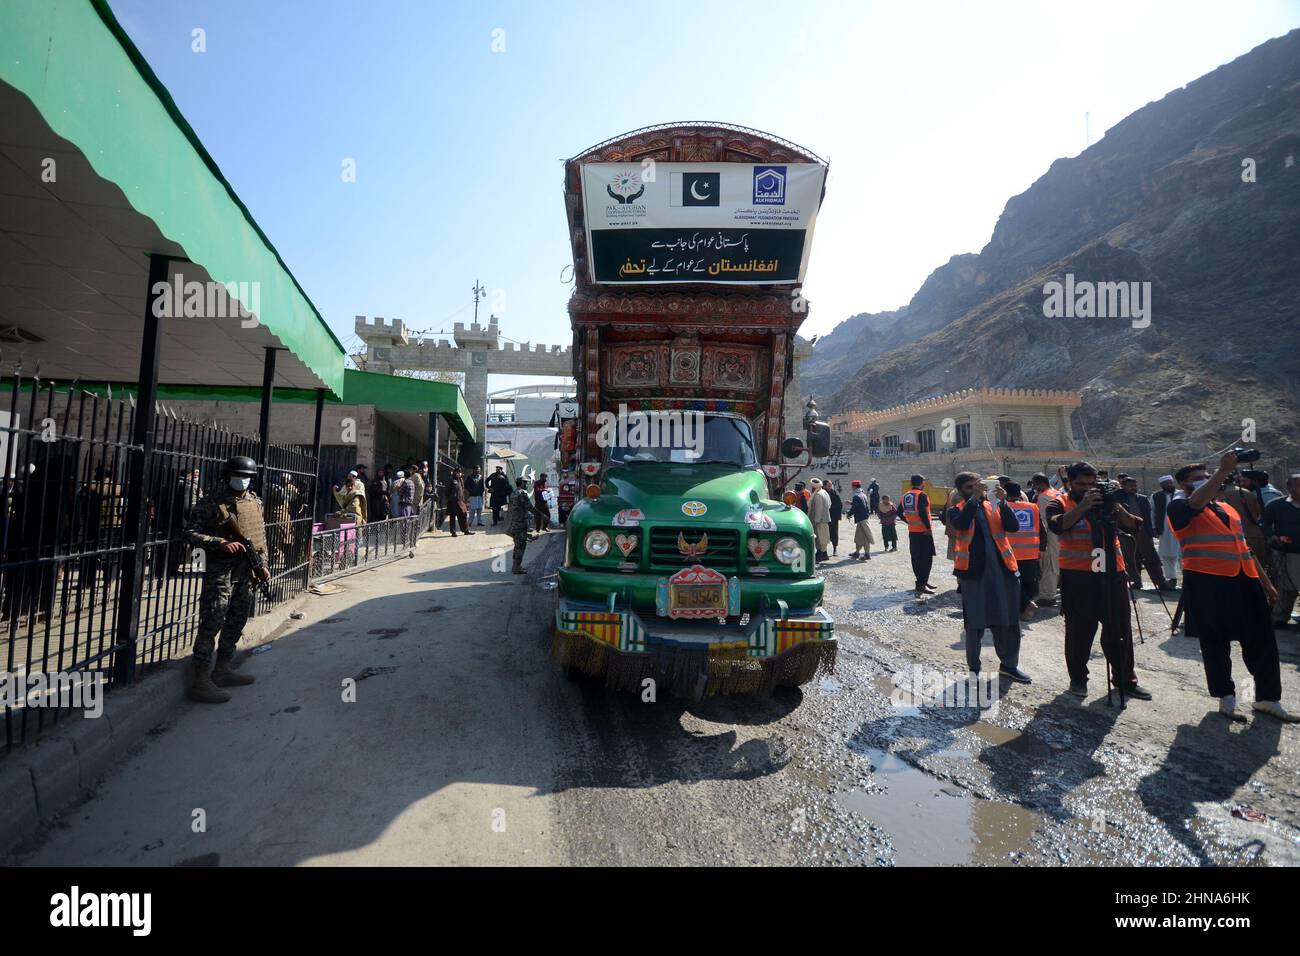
{"x": 626, "y": 187}
{"x": 769, "y": 185}
{"x": 693, "y": 509}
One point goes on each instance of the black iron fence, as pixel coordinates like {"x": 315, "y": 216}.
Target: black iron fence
{"x": 68, "y": 605}
{"x": 66, "y": 455}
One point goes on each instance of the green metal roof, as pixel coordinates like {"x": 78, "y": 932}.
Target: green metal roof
{"x": 397, "y": 393}
{"x": 92, "y": 86}
{"x": 387, "y": 393}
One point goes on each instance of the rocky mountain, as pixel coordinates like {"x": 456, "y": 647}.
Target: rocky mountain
{"x": 839, "y": 353}
{"x": 1197, "y": 194}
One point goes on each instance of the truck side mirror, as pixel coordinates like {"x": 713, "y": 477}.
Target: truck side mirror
{"x": 792, "y": 447}
{"x": 819, "y": 439}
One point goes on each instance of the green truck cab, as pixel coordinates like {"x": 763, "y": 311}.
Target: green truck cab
{"x": 681, "y": 565}
{"x": 695, "y": 573}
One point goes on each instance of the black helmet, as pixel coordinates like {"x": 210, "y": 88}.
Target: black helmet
{"x": 240, "y": 465}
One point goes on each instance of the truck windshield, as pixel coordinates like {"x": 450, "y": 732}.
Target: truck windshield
{"x": 688, "y": 438}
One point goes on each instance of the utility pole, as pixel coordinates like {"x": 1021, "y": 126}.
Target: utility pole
{"x": 479, "y": 292}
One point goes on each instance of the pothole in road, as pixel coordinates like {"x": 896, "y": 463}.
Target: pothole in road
{"x": 1012, "y": 740}
{"x": 935, "y": 823}
{"x": 385, "y": 633}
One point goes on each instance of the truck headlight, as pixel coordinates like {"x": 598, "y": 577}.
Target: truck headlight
{"x": 787, "y": 550}
{"x": 596, "y": 543}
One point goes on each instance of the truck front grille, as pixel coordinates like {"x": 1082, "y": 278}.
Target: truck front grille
{"x": 723, "y": 549}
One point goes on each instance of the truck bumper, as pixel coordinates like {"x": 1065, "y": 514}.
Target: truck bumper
{"x": 801, "y": 595}
{"x": 693, "y": 658}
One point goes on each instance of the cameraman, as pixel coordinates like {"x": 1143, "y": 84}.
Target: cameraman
{"x": 988, "y": 575}
{"x": 1225, "y": 593}
{"x": 1092, "y": 593}
{"x": 1282, "y": 525}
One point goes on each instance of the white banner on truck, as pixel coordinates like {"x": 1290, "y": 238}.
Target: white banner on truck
{"x": 729, "y": 223}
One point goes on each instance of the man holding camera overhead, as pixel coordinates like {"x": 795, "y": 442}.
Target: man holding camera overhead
{"x": 1094, "y": 587}
{"x": 1226, "y": 594}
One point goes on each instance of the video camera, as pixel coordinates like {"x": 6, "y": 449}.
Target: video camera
{"x": 1110, "y": 493}
{"x": 1246, "y": 455}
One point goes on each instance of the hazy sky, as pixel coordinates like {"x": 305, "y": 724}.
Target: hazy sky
{"x": 932, "y": 115}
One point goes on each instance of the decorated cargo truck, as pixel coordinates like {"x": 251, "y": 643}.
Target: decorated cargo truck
{"x": 684, "y": 563}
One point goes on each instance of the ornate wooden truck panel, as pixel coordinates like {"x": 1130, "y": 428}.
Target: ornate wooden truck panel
{"x": 686, "y": 342}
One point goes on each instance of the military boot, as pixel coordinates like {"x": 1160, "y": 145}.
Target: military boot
{"x": 223, "y": 675}
{"x": 203, "y": 690}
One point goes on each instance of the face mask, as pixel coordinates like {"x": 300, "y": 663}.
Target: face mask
{"x": 1197, "y": 484}
{"x": 240, "y": 484}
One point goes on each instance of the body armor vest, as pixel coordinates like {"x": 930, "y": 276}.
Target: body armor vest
{"x": 247, "y": 512}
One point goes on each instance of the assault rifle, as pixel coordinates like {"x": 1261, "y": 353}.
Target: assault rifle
{"x": 256, "y": 563}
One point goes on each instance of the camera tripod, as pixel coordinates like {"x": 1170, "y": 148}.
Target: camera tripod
{"x": 1111, "y": 573}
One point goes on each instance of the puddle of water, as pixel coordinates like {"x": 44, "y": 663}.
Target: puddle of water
{"x": 842, "y": 629}
{"x": 1009, "y": 739}
{"x": 998, "y": 736}
{"x": 934, "y": 823}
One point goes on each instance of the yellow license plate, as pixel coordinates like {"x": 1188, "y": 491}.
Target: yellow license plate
{"x": 698, "y": 600}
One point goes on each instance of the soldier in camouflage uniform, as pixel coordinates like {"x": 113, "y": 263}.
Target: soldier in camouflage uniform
{"x": 227, "y": 598}
{"x": 283, "y": 505}
{"x": 518, "y": 514}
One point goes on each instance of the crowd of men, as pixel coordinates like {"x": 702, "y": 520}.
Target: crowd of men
{"x": 1224, "y": 539}
{"x": 393, "y": 492}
